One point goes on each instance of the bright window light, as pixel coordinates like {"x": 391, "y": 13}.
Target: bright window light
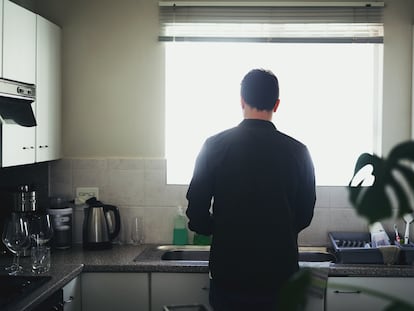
{"x": 329, "y": 99}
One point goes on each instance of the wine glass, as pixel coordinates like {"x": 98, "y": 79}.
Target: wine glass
{"x": 41, "y": 230}
{"x": 16, "y": 238}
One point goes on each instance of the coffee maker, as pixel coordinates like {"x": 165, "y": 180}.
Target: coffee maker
{"x": 24, "y": 203}
{"x": 25, "y": 200}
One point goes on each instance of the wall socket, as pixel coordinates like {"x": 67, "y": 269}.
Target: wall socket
{"x": 84, "y": 193}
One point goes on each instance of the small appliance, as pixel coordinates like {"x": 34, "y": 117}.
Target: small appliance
{"x": 25, "y": 206}
{"x": 61, "y": 211}
{"x": 101, "y": 224}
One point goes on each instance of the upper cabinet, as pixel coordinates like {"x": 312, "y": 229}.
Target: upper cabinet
{"x": 30, "y": 49}
{"x": 48, "y": 95}
{"x": 19, "y": 43}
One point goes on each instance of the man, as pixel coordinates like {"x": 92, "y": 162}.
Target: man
{"x": 260, "y": 184}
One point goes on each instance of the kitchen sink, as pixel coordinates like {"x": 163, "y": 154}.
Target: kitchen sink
{"x": 185, "y": 252}
{"x": 201, "y": 253}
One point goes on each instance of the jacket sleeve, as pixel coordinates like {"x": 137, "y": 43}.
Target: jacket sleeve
{"x": 306, "y": 197}
{"x": 199, "y": 195}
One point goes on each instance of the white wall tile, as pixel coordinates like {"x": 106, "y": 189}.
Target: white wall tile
{"x": 126, "y": 187}
{"x": 156, "y": 163}
{"x": 126, "y": 164}
{"x": 317, "y": 232}
{"x": 339, "y": 197}
{"x": 346, "y": 219}
{"x": 323, "y": 197}
{"x": 138, "y": 187}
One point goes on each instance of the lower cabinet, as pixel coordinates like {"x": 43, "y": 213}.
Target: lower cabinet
{"x": 178, "y": 289}
{"x": 115, "y": 291}
{"x": 353, "y": 293}
{"x": 72, "y": 300}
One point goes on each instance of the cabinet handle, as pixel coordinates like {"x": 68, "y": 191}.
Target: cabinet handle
{"x": 31, "y": 147}
{"x": 347, "y": 292}
{"x": 205, "y": 288}
{"x": 71, "y": 298}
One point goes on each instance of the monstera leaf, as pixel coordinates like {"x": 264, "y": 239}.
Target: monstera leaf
{"x": 393, "y": 184}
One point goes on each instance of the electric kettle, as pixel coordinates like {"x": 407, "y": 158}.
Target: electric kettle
{"x": 101, "y": 224}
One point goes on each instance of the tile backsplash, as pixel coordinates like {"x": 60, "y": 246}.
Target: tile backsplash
{"x": 138, "y": 187}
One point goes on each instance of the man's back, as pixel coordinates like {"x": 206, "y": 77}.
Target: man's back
{"x": 257, "y": 174}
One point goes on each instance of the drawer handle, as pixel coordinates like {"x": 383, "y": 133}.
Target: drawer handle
{"x": 71, "y": 299}
{"x": 347, "y": 292}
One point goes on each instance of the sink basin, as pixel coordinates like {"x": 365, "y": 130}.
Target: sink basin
{"x": 186, "y": 255}
{"x": 185, "y": 252}
{"x": 201, "y": 253}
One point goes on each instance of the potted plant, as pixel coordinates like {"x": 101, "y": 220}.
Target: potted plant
{"x": 392, "y": 186}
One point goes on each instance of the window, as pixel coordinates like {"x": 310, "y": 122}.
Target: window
{"x": 329, "y": 90}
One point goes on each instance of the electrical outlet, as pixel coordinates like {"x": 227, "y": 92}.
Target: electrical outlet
{"x": 84, "y": 193}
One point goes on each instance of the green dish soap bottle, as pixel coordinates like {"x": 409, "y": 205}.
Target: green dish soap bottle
{"x": 180, "y": 234}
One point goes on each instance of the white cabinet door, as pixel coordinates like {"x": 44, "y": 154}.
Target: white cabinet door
{"x": 178, "y": 289}
{"x": 48, "y": 98}
{"x": 357, "y": 298}
{"x": 1, "y": 39}
{"x": 115, "y": 291}
{"x": 72, "y": 300}
{"x": 18, "y": 145}
{"x": 19, "y": 43}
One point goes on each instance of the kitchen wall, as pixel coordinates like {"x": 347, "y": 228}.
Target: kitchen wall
{"x": 113, "y": 112}
{"x": 139, "y": 188}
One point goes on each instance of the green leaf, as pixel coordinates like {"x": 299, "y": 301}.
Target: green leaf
{"x": 373, "y": 202}
{"x": 402, "y": 151}
{"x": 408, "y": 174}
{"x": 375, "y": 205}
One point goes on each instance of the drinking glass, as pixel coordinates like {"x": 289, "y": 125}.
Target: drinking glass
{"x": 137, "y": 231}
{"x": 41, "y": 232}
{"x": 16, "y": 238}
{"x": 40, "y": 228}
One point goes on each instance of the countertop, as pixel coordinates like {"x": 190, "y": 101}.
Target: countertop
{"x": 67, "y": 264}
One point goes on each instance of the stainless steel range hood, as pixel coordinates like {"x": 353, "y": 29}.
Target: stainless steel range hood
{"x": 16, "y": 100}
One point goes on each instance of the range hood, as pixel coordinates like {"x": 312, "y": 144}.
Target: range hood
{"x": 15, "y": 103}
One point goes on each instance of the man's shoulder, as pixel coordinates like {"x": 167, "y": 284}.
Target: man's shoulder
{"x": 222, "y": 135}
{"x": 290, "y": 140}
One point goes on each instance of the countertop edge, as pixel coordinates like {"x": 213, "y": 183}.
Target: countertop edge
{"x": 66, "y": 265}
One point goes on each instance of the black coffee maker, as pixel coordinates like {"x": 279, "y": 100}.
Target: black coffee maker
{"x": 25, "y": 200}
{"x": 20, "y": 200}
{"x": 25, "y": 204}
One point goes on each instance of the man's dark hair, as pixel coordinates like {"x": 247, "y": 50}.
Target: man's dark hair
{"x": 260, "y": 89}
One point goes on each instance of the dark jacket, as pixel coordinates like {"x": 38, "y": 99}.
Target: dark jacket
{"x": 260, "y": 184}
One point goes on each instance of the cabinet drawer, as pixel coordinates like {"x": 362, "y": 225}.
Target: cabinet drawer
{"x": 353, "y": 293}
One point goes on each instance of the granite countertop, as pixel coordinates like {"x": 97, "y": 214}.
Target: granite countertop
{"x": 67, "y": 264}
